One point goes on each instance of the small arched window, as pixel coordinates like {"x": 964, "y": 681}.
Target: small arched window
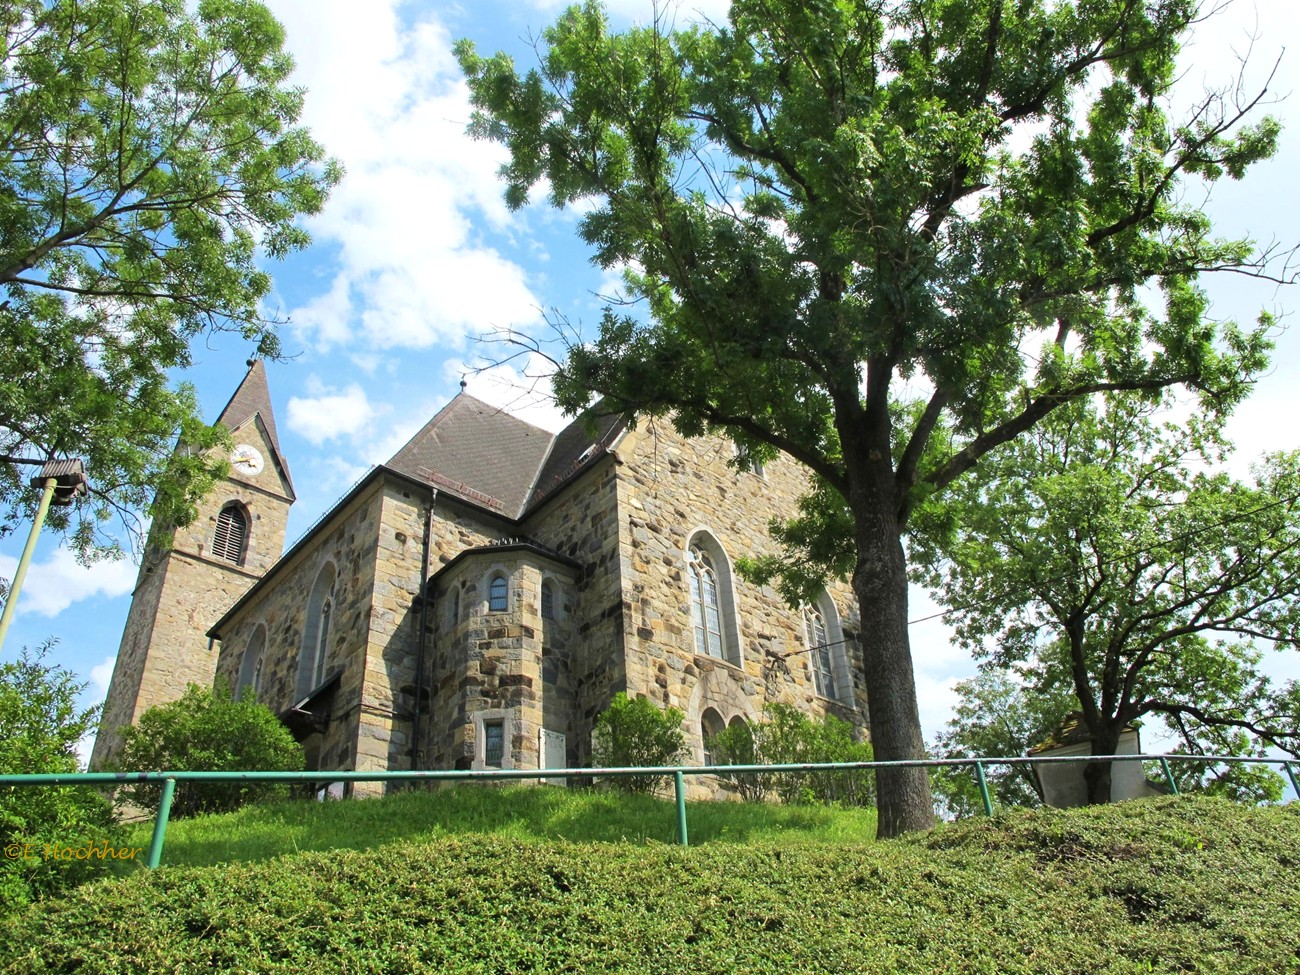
{"x": 498, "y": 594}
{"x": 231, "y": 534}
{"x": 706, "y": 609}
{"x": 453, "y": 607}
{"x": 548, "y": 600}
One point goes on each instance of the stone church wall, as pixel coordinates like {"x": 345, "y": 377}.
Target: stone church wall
{"x": 672, "y": 488}
{"x": 349, "y": 542}
{"x": 584, "y": 658}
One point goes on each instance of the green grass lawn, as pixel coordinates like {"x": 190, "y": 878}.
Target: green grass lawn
{"x": 522, "y": 813}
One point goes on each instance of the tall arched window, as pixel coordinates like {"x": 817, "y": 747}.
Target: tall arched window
{"x": 498, "y": 594}
{"x": 827, "y": 658}
{"x": 548, "y": 600}
{"x": 706, "y": 609}
{"x": 322, "y": 639}
{"x": 250, "y": 667}
{"x": 231, "y": 534}
{"x": 313, "y": 656}
{"x": 819, "y": 652}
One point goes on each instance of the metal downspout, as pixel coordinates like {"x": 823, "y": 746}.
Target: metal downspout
{"x": 425, "y": 596}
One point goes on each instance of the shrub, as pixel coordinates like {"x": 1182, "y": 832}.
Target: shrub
{"x": 208, "y": 731}
{"x": 636, "y": 733}
{"x": 787, "y": 736}
{"x": 40, "y": 728}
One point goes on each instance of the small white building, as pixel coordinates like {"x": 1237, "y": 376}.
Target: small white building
{"x": 1063, "y": 783}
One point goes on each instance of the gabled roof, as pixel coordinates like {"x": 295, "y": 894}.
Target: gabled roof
{"x": 575, "y": 447}
{"x": 476, "y": 452}
{"x": 253, "y": 399}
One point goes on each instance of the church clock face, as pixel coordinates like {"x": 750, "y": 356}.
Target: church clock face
{"x": 247, "y": 460}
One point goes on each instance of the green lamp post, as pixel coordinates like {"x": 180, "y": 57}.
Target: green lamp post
{"x": 60, "y": 482}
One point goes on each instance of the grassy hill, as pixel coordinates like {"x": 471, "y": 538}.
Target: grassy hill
{"x": 1167, "y": 885}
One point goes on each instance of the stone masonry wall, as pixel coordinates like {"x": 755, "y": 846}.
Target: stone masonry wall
{"x": 670, "y": 488}
{"x": 350, "y": 542}
{"x": 585, "y": 658}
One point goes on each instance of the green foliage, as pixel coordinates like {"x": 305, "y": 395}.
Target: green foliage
{"x": 1100, "y": 557}
{"x": 150, "y": 163}
{"x": 1168, "y": 886}
{"x": 816, "y": 203}
{"x": 208, "y": 731}
{"x": 786, "y": 736}
{"x": 634, "y": 733}
{"x": 996, "y": 716}
{"x": 40, "y": 728}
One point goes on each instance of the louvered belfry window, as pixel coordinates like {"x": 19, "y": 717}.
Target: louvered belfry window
{"x": 232, "y": 531}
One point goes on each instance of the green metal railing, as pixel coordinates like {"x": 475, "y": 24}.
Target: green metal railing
{"x": 677, "y": 773}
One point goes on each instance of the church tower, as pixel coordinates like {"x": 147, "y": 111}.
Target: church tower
{"x": 190, "y": 576}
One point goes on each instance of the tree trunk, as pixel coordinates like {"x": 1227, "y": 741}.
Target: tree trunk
{"x": 1097, "y": 775}
{"x": 904, "y": 803}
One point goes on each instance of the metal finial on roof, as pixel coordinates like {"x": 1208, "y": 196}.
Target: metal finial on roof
{"x": 249, "y": 363}
{"x": 463, "y": 384}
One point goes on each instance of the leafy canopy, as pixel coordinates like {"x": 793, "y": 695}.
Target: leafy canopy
{"x": 1105, "y": 557}
{"x": 149, "y": 162}
{"x": 883, "y": 239}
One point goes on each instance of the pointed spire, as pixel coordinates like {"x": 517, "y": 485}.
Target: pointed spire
{"x": 252, "y": 396}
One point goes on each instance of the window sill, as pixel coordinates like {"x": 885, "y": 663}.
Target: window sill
{"x": 701, "y": 658}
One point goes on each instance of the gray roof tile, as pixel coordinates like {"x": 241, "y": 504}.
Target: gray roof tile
{"x": 477, "y": 452}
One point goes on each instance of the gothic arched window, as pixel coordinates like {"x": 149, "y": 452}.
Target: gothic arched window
{"x": 250, "y": 667}
{"x": 706, "y": 606}
{"x": 827, "y": 656}
{"x": 819, "y": 652}
{"x": 231, "y": 534}
{"x": 313, "y": 656}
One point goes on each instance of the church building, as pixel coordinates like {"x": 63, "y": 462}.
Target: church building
{"x": 477, "y": 600}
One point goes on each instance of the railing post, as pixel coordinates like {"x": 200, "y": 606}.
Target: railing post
{"x": 1295, "y": 784}
{"x": 1169, "y": 775}
{"x": 984, "y": 788}
{"x": 160, "y": 824}
{"x": 679, "y": 781}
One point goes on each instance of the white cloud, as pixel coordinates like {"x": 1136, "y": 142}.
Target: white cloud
{"x": 58, "y": 582}
{"x": 101, "y": 675}
{"x": 387, "y": 98}
{"x": 525, "y": 392}
{"x": 332, "y": 413}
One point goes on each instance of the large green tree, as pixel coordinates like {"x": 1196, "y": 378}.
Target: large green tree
{"x": 826, "y": 200}
{"x": 1103, "y": 556}
{"x": 150, "y": 162}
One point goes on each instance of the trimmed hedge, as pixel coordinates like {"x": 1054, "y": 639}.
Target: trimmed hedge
{"x": 1167, "y": 885}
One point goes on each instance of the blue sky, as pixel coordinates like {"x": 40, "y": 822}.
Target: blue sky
{"x": 417, "y": 256}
